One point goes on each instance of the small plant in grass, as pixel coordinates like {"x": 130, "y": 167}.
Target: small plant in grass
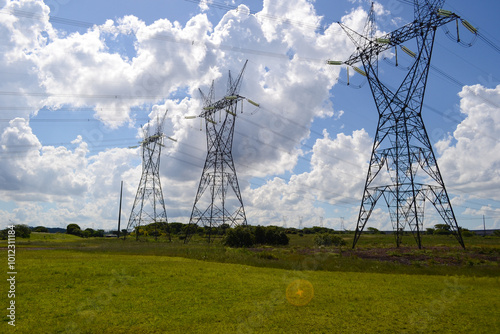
{"x": 267, "y": 256}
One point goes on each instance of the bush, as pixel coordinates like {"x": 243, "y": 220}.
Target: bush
{"x": 466, "y": 233}
{"x": 42, "y": 229}
{"x": 260, "y": 235}
{"x": 496, "y": 233}
{"x": 329, "y": 240}
{"x": 442, "y": 229}
{"x": 74, "y": 229}
{"x": 270, "y": 235}
{"x": 22, "y": 231}
{"x": 244, "y": 236}
{"x": 275, "y": 237}
{"x": 239, "y": 237}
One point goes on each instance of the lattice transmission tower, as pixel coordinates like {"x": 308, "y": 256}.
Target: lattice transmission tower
{"x": 218, "y": 201}
{"x": 149, "y": 206}
{"x": 401, "y": 144}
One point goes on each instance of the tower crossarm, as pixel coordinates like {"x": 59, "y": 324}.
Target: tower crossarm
{"x": 394, "y": 38}
{"x": 222, "y": 104}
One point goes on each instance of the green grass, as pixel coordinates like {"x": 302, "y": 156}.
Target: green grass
{"x": 301, "y": 254}
{"x": 67, "y": 284}
{"x": 39, "y": 237}
{"x": 67, "y": 291}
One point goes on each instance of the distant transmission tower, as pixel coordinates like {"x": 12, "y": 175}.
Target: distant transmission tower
{"x": 284, "y": 225}
{"x": 401, "y": 142}
{"x": 218, "y": 200}
{"x": 149, "y": 206}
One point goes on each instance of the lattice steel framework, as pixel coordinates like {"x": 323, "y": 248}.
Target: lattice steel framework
{"x": 401, "y": 142}
{"x": 213, "y": 206}
{"x": 149, "y": 206}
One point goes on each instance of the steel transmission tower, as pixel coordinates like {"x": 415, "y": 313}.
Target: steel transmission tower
{"x": 149, "y": 206}
{"x": 401, "y": 144}
{"x": 218, "y": 200}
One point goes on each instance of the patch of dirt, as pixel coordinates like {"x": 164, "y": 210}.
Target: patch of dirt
{"x": 437, "y": 255}
{"x": 429, "y": 255}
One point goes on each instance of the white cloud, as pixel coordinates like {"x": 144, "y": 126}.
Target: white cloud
{"x": 85, "y": 69}
{"x": 337, "y": 175}
{"x": 22, "y": 36}
{"x": 32, "y": 172}
{"x": 204, "y": 5}
{"x": 470, "y": 159}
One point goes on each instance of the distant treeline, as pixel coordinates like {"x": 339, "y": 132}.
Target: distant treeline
{"x": 179, "y": 229}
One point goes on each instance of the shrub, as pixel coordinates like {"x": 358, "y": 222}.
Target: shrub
{"x": 239, "y": 237}
{"x": 42, "y": 229}
{"x": 22, "y": 231}
{"x": 329, "y": 240}
{"x": 466, "y": 233}
{"x": 442, "y": 229}
{"x": 260, "y": 235}
{"x": 270, "y": 235}
{"x": 244, "y": 236}
{"x": 74, "y": 229}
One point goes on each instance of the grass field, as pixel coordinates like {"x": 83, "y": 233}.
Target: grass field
{"x": 66, "y": 284}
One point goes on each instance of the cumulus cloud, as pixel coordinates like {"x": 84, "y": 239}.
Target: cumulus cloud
{"x": 31, "y": 171}
{"x": 285, "y": 74}
{"x": 24, "y": 30}
{"x": 337, "y": 175}
{"x": 470, "y": 156}
{"x": 84, "y": 187}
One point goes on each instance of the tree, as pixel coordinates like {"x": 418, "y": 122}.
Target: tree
{"x": 260, "y": 235}
{"x": 223, "y": 228}
{"x": 239, "y": 237}
{"x": 74, "y": 229}
{"x": 373, "y": 230}
{"x": 442, "y": 229}
{"x": 124, "y": 233}
{"x": 42, "y": 229}
{"x": 466, "y": 232}
{"x": 284, "y": 239}
{"x": 87, "y": 233}
{"x": 275, "y": 237}
{"x": 176, "y": 228}
{"x": 22, "y": 231}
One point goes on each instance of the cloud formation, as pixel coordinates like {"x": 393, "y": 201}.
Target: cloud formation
{"x": 125, "y": 65}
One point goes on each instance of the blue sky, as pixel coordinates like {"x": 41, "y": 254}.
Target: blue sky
{"x": 81, "y": 77}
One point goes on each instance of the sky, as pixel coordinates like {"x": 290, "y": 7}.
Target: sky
{"x": 81, "y": 78}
